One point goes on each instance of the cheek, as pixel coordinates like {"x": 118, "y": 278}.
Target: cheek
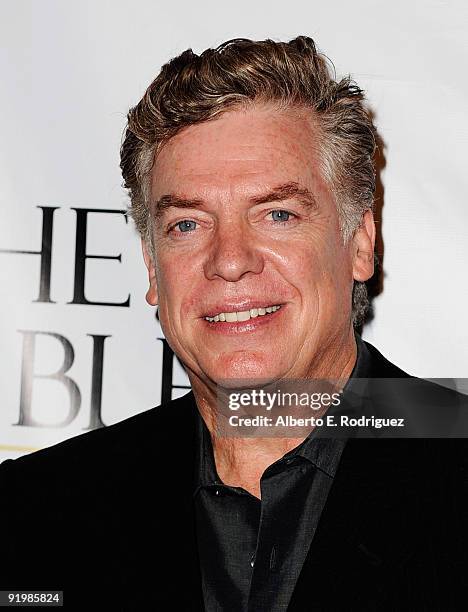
{"x": 322, "y": 276}
{"x": 177, "y": 287}
{"x": 335, "y": 260}
{"x": 316, "y": 264}
{"x": 337, "y": 288}
{"x": 171, "y": 275}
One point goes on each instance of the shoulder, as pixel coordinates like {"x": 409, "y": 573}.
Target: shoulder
{"x": 96, "y": 455}
{"x": 380, "y": 366}
{"x": 429, "y": 410}
{"x": 92, "y": 497}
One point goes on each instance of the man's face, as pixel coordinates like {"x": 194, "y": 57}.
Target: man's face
{"x": 245, "y": 222}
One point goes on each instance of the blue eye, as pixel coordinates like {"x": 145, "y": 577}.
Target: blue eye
{"x": 280, "y": 215}
{"x": 186, "y": 226}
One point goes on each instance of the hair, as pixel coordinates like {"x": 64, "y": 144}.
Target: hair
{"x": 193, "y": 88}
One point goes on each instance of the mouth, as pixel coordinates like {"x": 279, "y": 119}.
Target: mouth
{"x": 233, "y": 322}
{"x": 243, "y": 315}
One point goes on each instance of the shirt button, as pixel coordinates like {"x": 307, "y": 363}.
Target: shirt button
{"x": 252, "y": 560}
{"x": 217, "y": 492}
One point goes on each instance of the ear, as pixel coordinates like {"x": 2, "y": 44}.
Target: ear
{"x": 363, "y": 248}
{"x": 152, "y": 293}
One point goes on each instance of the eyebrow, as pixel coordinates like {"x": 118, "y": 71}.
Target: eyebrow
{"x": 286, "y": 191}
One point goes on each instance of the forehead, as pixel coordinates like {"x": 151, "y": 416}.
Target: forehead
{"x": 238, "y": 150}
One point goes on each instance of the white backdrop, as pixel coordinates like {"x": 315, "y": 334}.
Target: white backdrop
{"x": 70, "y": 71}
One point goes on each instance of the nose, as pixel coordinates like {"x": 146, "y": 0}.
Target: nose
{"x": 233, "y": 253}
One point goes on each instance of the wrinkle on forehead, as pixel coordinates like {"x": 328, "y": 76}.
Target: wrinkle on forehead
{"x": 239, "y": 154}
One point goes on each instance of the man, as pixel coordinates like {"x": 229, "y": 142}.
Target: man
{"x": 250, "y": 174}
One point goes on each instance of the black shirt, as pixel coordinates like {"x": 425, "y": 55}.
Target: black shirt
{"x": 251, "y": 550}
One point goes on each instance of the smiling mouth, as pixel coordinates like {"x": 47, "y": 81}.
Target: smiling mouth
{"x": 244, "y": 315}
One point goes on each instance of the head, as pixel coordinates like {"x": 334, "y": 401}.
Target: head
{"x": 251, "y": 180}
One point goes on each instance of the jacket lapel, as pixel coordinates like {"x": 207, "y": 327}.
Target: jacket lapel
{"x": 160, "y": 548}
{"x": 365, "y": 534}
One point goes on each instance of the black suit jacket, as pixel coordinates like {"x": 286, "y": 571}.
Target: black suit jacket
{"x": 107, "y": 517}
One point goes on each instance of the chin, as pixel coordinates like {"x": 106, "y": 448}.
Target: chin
{"x": 235, "y": 370}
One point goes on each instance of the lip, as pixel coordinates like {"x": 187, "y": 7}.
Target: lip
{"x": 242, "y": 327}
{"x": 239, "y": 306}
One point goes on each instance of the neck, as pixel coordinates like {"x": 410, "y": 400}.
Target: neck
{"x": 240, "y": 462}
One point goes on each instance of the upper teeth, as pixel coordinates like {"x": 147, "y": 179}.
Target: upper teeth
{"x": 244, "y": 315}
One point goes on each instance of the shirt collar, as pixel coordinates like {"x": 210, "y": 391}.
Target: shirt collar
{"x": 205, "y": 469}
{"x": 325, "y": 453}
